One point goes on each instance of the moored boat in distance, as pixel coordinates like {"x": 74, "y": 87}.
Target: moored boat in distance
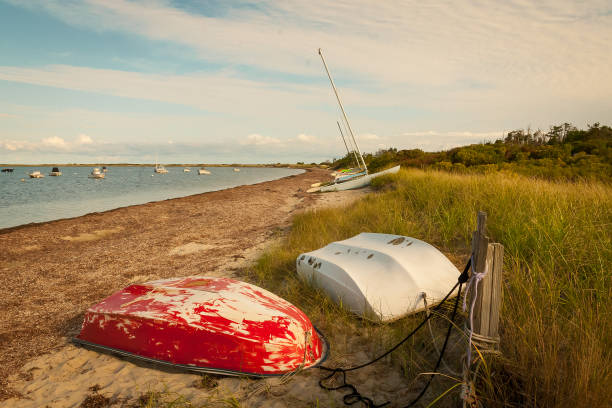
{"x": 55, "y": 172}
{"x": 203, "y": 324}
{"x": 159, "y": 169}
{"x": 36, "y": 174}
{"x": 186, "y": 170}
{"x": 104, "y": 169}
{"x": 236, "y": 169}
{"x": 7, "y": 170}
{"x": 203, "y": 171}
{"x": 96, "y": 174}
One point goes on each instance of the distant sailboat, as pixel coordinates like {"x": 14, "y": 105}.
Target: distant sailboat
{"x": 159, "y": 169}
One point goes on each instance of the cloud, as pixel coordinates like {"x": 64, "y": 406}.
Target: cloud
{"x": 14, "y": 145}
{"x": 259, "y": 140}
{"x": 432, "y": 140}
{"x": 83, "y": 143}
{"x": 214, "y": 92}
{"x": 407, "y": 42}
{"x": 83, "y": 139}
{"x": 398, "y": 66}
{"x": 368, "y": 136}
{"x": 54, "y": 142}
{"x": 302, "y": 137}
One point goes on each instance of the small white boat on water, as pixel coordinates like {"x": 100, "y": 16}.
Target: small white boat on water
{"x": 186, "y": 170}
{"x": 36, "y": 174}
{"x": 55, "y": 172}
{"x": 104, "y": 169}
{"x": 159, "y": 169}
{"x": 203, "y": 171}
{"x": 381, "y": 277}
{"x": 96, "y": 174}
{"x": 236, "y": 169}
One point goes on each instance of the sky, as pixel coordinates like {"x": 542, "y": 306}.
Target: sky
{"x": 115, "y": 81}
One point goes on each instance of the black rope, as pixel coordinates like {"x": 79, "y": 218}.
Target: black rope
{"x": 354, "y": 396}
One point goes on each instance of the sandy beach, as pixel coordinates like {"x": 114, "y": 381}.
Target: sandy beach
{"x": 52, "y": 272}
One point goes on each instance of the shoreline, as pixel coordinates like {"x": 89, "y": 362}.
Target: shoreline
{"x": 8, "y": 229}
{"x": 53, "y": 271}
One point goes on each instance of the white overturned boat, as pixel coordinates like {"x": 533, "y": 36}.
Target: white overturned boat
{"x": 381, "y": 277}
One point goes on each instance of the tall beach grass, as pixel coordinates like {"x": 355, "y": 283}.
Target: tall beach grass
{"x": 556, "y": 322}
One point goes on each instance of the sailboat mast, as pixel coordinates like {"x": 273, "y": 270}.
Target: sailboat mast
{"x": 343, "y": 112}
{"x": 345, "y": 145}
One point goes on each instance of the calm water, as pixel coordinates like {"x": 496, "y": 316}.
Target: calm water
{"x": 74, "y": 194}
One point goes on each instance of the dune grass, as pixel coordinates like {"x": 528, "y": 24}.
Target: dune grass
{"x": 556, "y": 323}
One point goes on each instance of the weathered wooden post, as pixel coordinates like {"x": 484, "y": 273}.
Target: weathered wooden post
{"x": 488, "y": 259}
{"x": 484, "y": 303}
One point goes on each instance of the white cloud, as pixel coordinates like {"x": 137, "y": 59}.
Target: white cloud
{"x": 83, "y": 139}
{"x": 259, "y": 140}
{"x": 434, "y": 44}
{"x": 216, "y": 92}
{"x": 83, "y": 143}
{"x": 14, "y": 145}
{"x": 432, "y": 140}
{"x": 54, "y": 142}
{"x": 302, "y": 137}
{"x": 398, "y": 65}
{"x": 368, "y": 136}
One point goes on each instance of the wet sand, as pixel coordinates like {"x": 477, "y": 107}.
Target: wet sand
{"x": 52, "y": 272}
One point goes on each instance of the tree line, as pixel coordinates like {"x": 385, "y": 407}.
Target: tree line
{"x": 562, "y": 152}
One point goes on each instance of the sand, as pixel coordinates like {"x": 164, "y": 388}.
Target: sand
{"x": 52, "y": 272}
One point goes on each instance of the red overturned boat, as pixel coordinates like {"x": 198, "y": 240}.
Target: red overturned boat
{"x": 212, "y": 325}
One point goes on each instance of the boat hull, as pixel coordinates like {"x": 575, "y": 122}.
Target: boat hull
{"x": 355, "y": 182}
{"x": 382, "y": 277}
{"x": 214, "y": 325}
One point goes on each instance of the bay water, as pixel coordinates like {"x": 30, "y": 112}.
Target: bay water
{"x": 73, "y": 193}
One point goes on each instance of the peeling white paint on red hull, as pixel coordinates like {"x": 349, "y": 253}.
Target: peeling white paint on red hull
{"x": 215, "y": 323}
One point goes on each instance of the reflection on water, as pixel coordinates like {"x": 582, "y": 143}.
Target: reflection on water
{"x": 74, "y": 194}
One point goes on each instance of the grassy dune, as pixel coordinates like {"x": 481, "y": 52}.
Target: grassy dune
{"x": 556, "y": 328}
